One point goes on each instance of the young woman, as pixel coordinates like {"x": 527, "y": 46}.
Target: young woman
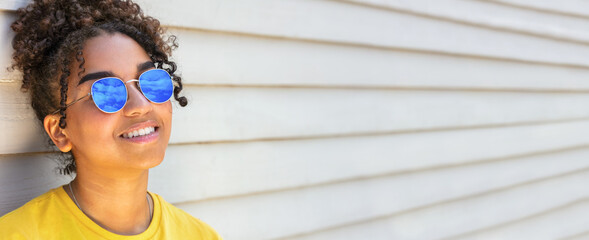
{"x": 100, "y": 82}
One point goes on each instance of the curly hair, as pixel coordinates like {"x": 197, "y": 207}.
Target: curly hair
{"x": 50, "y": 36}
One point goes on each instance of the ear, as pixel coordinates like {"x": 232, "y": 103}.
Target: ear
{"x": 57, "y": 134}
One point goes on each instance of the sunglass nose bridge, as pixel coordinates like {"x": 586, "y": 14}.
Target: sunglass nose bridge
{"x": 136, "y": 85}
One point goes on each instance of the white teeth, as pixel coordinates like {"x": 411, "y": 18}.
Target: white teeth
{"x": 140, "y": 132}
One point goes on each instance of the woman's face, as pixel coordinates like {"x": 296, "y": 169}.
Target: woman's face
{"x": 99, "y": 140}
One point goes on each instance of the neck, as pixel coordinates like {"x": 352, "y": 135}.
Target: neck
{"x": 117, "y": 204}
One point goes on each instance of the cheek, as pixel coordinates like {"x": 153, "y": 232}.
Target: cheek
{"x": 165, "y": 111}
{"x": 90, "y": 127}
{"x": 164, "y": 115}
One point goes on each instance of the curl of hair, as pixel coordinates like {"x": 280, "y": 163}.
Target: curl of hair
{"x": 50, "y": 37}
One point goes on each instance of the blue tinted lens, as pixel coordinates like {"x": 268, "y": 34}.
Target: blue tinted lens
{"x": 109, "y": 94}
{"x": 156, "y": 85}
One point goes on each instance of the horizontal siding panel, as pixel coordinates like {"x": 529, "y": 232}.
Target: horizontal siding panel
{"x": 336, "y": 22}
{"x": 488, "y": 211}
{"x": 495, "y": 16}
{"x": 22, "y": 128}
{"x": 580, "y": 236}
{"x": 6, "y": 48}
{"x": 228, "y": 114}
{"x": 211, "y": 171}
{"x": 332, "y": 21}
{"x": 576, "y": 8}
{"x": 215, "y": 58}
{"x": 11, "y": 5}
{"x": 554, "y": 224}
{"x": 444, "y": 195}
{"x": 25, "y": 177}
{"x": 442, "y": 221}
{"x": 218, "y": 114}
{"x": 571, "y": 26}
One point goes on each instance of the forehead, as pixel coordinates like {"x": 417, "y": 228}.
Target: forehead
{"x": 116, "y": 52}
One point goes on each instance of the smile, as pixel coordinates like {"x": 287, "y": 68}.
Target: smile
{"x": 142, "y": 133}
{"x": 139, "y": 132}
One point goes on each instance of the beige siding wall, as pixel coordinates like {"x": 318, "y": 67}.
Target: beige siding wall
{"x": 360, "y": 119}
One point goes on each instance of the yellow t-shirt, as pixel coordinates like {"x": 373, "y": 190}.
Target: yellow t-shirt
{"x": 54, "y": 215}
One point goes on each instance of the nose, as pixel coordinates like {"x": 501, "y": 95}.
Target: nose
{"x": 137, "y": 104}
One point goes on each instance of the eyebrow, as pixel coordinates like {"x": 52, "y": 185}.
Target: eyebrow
{"x": 98, "y": 75}
{"x": 144, "y": 66}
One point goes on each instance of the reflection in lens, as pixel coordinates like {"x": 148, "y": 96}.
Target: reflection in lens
{"x": 156, "y": 85}
{"x": 109, "y": 94}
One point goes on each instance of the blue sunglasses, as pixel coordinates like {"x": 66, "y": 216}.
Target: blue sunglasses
{"x": 110, "y": 94}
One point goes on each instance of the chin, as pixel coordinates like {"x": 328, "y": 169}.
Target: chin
{"x": 150, "y": 161}
{"x": 153, "y": 163}
{"x": 143, "y": 160}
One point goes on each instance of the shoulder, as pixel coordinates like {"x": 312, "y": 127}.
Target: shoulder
{"x": 173, "y": 216}
{"x": 23, "y": 222}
